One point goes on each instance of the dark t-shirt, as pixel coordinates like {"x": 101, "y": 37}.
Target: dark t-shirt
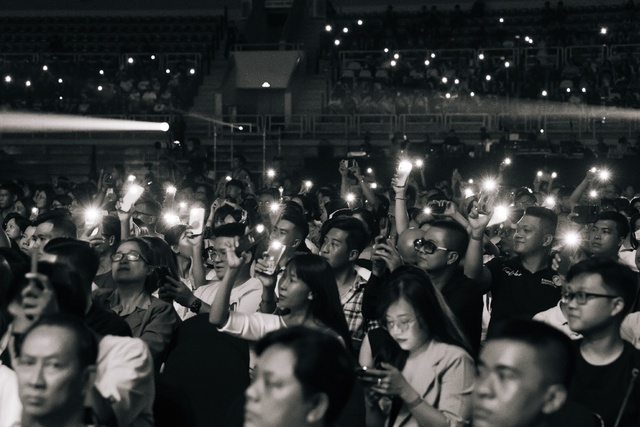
{"x": 464, "y": 298}
{"x": 603, "y": 388}
{"x": 518, "y": 293}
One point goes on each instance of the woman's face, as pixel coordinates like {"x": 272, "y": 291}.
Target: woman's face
{"x": 25, "y": 239}
{"x": 126, "y": 270}
{"x": 275, "y": 398}
{"x": 404, "y": 327}
{"x": 293, "y": 292}
{"x": 13, "y": 231}
{"x": 40, "y": 200}
{"x": 184, "y": 247}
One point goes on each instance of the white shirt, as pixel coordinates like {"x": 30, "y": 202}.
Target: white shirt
{"x": 244, "y": 298}
{"x": 10, "y": 406}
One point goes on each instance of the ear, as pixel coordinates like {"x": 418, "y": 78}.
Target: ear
{"x": 319, "y": 406}
{"x": 548, "y": 240}
{"x": 554, "y": 398}
{"x": 175, "y": 249}
{"x": 353, "y": 254}
{"x": 453, "y": 257}
{"x": 111, "y": 241}
{"x": 618, "y": 306}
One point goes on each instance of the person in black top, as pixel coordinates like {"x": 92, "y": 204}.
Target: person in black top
{"x": 598, "y": 295}
{"x": 522, "y": 286}
{"x": 440, "y": 251}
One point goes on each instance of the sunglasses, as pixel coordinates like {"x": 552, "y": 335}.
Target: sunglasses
{"x": 427, "y": 246}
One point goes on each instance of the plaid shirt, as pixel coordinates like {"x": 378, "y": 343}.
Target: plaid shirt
{"x": 352, "y": 307}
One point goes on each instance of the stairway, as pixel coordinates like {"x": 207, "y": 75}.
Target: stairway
{"x": 204, "y": 102}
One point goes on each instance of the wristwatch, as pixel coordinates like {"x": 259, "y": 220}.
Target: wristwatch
{"x": 195, "y": 306}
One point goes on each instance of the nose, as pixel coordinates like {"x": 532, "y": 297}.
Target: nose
{"x": 36, "y": 380}
{"x": 252, "y": 392}
{"x": 483, "y": 386}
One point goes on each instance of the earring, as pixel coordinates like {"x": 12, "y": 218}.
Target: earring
{"x": 310, "y": 297}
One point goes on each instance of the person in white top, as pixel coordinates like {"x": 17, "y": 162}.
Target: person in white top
{"x": 245, "y": 291}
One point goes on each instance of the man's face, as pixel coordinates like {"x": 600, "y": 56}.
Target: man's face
{"x": 25, "y": 239}
{"x": 50, "y": 379}
{"x": 6, "y": 199}
{"x": 264, "y": 204}
{"x": 284, "y": 231}
{"x": 509, "y": 389}
{"x": 219, "y": 254}
{"x": 604, "y": 240}
{"x": 529, "y": 236}
{"x": 44, "y": 232}
{"x": 232, "y": 191}
{"x": 438, "y": 260}
{"x": 334, "y": 249}
{"x": 597, "y": 311}
{"x": 275, "y": 398}
{"x": 142, "y": 212}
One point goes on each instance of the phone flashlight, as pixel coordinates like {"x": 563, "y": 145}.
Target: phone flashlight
{"x": 274, "y": 207}
{"x": 228, "y": 178}
{"x": 571, "y": 238}
{"x": 308, "y": 184}
{"x": 171, "y": 218}
{"x": 419, "y": 163}
{"x": 350, "y": 198}
{"x": 171, "y": 189}
{"x": 131, "y": 178}
{"x": 593, "y": 194}
{"x": 271, "y": 173}
{"x": 92, "y": 216}
{"x": 507, "y": 161}
{"x": 604, "y": 175}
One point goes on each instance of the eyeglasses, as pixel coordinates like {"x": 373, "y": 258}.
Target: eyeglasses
{"x": 582, "y": 297}
{"x": 427, "y": 246}
{"x": 403, "y": 325}
{"x": 131, "y": 256}
{"x": 213, "y": 254}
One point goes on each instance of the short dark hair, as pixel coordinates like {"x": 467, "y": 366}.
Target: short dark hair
{"x": 300, "y": 225}
{"x": 77, "y": 255}
{"x": 111, "y": 227}
{"x": 618, "y": 277}
{"x": 548, "y": 218}
{"x": 322, "y": 364}
{"x": 357, "y": 236}
{"x": 235, "y": 183}
{"x": 457, "y": 236}
{"x": 62, "y": 223}
{"x": 622, "y": 224}
{"x": 553, "y": 348}
{"x": 12, "y": 188}
{"x": 144, "y": 249}
{"x": 229, "y": 230}
{"x": 64, "y": 199}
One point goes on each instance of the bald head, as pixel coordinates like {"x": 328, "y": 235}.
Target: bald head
{"x": 405, "y": 245}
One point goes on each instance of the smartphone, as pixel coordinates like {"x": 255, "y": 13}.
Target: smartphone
{"x": 162, "y": 272}
{"x": 132, "y": 196}
{"x": 364, "y": 375}
{"x": 196, "y": 221}
{"x": 402, "y": 173}
{"x": 385, "y": 227}
{"x": 252, "y": 238}
{"x": 273, "y": 255}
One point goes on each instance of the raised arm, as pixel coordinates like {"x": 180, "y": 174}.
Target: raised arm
{"x": 219, "y": 313}
{"x": 473, "y": 266}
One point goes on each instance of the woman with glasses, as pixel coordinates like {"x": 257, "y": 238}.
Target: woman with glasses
{"x": 149, "y": 318}
{"x": 417, "y": 368}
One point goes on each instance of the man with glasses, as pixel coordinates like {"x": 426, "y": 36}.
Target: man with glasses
{"x": 598, "y": 295}
{"x": 246, "y": 292}
{"x": 148, "y": 211}
{"x": 526, "y": 284}
{"x": 439, "y": 253}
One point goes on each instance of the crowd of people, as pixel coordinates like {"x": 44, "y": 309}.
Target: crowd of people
{"x": 244, "y": 301}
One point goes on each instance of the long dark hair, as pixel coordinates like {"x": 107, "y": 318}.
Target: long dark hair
{"x": 317, "y": 274}
{"x": 433, "y": 313}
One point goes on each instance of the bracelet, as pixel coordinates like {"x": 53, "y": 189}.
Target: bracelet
{"x": 195, "y": 306}
{"x": 418, "y": 400}
{"x": 477, "y": 238}
{"x": 400, "y": 198}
